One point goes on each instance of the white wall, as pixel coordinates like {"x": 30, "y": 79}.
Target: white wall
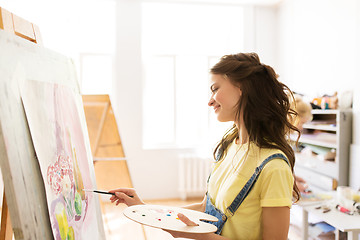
{"x": 318, "y": 51}
{"x": 261, "y": 33}
{"x": 265, "y": 25}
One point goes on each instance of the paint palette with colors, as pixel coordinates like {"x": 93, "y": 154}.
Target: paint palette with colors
{"x": 165, "y": 217}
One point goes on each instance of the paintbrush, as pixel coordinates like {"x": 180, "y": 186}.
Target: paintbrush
{"x": 101, "y": 192}
{"x": 98, "y": 191}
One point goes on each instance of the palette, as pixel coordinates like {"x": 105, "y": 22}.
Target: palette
{"x": 165, "y": 217}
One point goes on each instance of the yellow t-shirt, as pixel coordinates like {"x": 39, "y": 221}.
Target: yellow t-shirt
{"x": 272, "y": 189}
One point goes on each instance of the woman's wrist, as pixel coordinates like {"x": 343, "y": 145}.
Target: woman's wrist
{"x": 211, "y": 236}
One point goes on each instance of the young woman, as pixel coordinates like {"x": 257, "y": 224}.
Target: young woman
{"x": 251, "y": 187}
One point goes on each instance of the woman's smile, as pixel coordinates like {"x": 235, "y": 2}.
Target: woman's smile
{"x": 216, "y": 108}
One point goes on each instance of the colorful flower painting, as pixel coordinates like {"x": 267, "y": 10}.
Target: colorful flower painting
{"x": 58, "y": 132}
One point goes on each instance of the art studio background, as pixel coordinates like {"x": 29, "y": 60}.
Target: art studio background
{"x": 152, "y": 58}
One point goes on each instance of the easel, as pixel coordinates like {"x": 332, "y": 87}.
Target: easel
{"x": 106, "y": 146}
{"x": 110, "y": 164}
{"x": 20, "y": 27}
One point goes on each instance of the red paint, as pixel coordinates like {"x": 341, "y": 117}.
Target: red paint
{"x": 342, "y": 209}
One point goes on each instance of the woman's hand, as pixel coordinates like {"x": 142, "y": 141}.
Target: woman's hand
{"x": 188, "y": 222}
{"x": 198, "y": 236}
{"x": 125, "y": 195}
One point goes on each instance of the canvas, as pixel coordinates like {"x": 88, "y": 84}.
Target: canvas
{"x": 57, "y": 130}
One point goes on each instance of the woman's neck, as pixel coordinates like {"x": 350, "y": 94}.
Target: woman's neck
{"x": 243, "y": 136}
{"x": 242, "y": 141}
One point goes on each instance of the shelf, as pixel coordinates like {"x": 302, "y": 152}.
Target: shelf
{"x": 318, "y": 142}
{"x": 329, "y": 129}
{"x": 328, "y": 168}
{"x": 323, "y": 127}
{"x": 315, "y": 179}
{"x": 324, "y": 120}
{"x": 327, "y": 140}
{"x": 311, "y": 141}
{"x": 324, "y": 111}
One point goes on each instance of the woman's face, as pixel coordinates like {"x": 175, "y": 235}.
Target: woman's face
{"x": 224, "y": 98}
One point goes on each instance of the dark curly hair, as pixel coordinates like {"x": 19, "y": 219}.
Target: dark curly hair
{"x": 264, "y": 104}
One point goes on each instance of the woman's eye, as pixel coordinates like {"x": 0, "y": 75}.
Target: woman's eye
{"x": 214, "y": 89}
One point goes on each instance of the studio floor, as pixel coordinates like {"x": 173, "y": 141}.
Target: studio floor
{"x": 118, "y": 227}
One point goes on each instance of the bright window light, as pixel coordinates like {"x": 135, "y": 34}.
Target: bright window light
{"x": 180, "y": 42}
{"x": 78, "y": 29}
{"x": 161, "y": 92}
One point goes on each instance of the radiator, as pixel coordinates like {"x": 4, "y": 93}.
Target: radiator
{"x": 193, "y": 174}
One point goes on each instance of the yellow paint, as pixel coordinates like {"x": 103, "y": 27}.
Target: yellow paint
{"x": 62, "y": 221}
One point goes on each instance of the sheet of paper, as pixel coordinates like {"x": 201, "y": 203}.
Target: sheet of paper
{"x": 52, "y": 111}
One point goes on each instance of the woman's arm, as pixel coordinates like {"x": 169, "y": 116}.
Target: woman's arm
{"x": 197, "y": 236}
{"x": 275, "y": 221}
{"x": 197, "y": 206}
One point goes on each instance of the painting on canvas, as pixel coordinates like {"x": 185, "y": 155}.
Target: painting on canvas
{"x": 56, "y": 127}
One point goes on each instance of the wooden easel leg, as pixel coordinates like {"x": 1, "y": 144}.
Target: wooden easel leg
{"x": 6, "y": 232}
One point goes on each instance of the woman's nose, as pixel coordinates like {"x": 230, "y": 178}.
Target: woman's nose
{"x": 211, "y": 102}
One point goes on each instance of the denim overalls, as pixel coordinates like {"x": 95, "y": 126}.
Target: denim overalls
{"x": 212, "y": 210}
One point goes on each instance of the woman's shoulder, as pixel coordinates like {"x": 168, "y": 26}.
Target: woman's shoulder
{"x": 277, "y": 161}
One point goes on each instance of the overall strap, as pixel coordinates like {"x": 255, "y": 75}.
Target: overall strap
{"x": 218, "y": 155}
{"x": 250, "y": 183}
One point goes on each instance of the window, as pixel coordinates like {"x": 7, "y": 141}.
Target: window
{"x": 180, "y": 42}
{"x": 70, "y": 28}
